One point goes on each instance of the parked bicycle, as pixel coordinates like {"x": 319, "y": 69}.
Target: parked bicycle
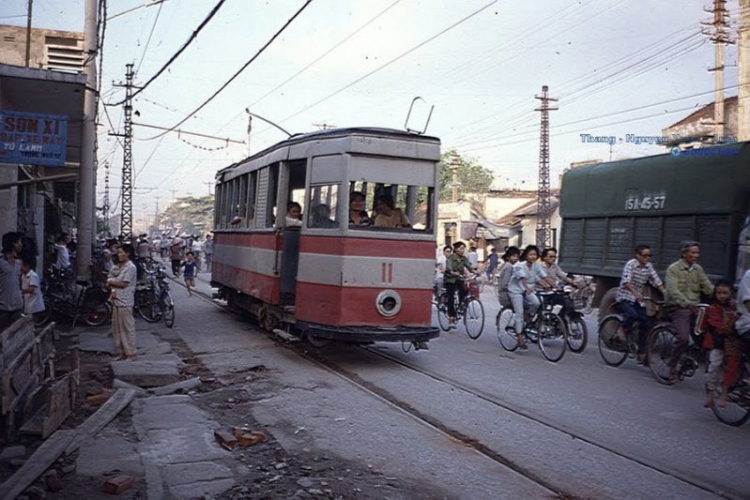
{"x": 545, "y": 328}
{"x": 63, "y": 295}
{"x": 470, "y": 310}
{"x": 166, "y": 303}
{"x": 146, "y": 302}
{"x": 661, "y": 344}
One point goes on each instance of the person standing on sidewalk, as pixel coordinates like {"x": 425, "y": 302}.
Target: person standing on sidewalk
{"x": 122, "y": 280}
{"x": 11, "y": 298}
{"x": 208, "y": 251}
{"x": 686, "y": 281}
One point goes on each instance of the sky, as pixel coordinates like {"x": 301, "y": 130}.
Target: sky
{"x": 618, "y": 68}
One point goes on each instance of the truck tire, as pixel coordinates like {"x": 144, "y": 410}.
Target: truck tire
{"x": 607, "y": 304}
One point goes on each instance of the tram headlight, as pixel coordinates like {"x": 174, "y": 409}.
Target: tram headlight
{"x": 388, "y": 303}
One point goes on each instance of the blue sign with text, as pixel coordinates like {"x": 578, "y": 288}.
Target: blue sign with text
{"x": 33, "y": 138}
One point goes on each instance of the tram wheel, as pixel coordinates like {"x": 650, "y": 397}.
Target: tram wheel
{"x": 318, "y": 342}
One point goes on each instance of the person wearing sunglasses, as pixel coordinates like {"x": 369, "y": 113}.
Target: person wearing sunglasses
{"x": 637, "y": 272}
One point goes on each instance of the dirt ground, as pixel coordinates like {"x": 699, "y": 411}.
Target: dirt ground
{"x": 273, "y": 473}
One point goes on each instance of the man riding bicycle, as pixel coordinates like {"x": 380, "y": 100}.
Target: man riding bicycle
{"x": 685, "y": 283}
{"x": 456, "y": 265}
{"x": 637, "y": 272}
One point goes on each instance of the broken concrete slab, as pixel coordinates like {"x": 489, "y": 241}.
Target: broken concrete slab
{"x": 101, "y": 341}
{"x": 11, "y": 452}
{"x": 184, "y": 385}
{"x": 186, "y": 473}
{"x": 149, "y": 371}
{"x": 154, "y": 417}
{"x": 108, "y": 451}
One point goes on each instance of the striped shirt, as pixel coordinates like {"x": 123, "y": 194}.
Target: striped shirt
{"x": 637, "y": 276}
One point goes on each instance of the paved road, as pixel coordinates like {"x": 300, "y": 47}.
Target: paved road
{"x": 577, "y": 427}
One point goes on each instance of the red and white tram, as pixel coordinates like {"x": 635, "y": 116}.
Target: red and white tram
{"x": 324, "y": 276}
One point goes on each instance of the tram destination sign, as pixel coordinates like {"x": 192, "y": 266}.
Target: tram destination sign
{"x": 33, "y": 138}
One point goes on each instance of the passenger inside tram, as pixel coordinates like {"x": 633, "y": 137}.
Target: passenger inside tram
{"x": 293, "y": 214}
{"x": 357, "y": 214}
{"x": 321, "y": 217}
{"x": 388, "y": 215}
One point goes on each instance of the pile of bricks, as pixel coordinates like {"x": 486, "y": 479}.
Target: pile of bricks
{"x": 241, "y": 436}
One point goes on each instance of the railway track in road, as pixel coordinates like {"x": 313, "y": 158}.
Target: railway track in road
{"x": 318, "y": 357}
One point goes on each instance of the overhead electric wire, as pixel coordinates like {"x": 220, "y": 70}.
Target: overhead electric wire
{"x": 656, "y": 46}
{"x": 176, "y": 54}
{"x": 664, "y": 55}
{"x": 339, "y": 44}
{"x": 244, "y": 66}
{"x": 395, "y": 59}
{"x": 148, "y": 41}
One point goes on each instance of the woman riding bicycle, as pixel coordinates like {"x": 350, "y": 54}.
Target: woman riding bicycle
{"x": 456, "y": 265}
{"x": 527, "y": 274}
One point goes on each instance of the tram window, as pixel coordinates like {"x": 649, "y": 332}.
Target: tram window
{"x": 323, "y": 205}
{"x": 273, "y": 194}
{"x": 411, "y": 204}
{"x": 252, "y": 188}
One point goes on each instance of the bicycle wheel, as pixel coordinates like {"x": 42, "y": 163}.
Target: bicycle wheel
{"x": 442, "y": 313}
{"x": 474, "y": 318}
{"x": 737, "y": 409}
{"x": 506, "y": 332}
{"x": 613, "y": 351}
{"x": 167, "y": 309}
{"x": 96, "y": 314}
{"x": 578, "y": 334}
{"x": 660, "y": 347}
{"x": 148, "y": 305}
{"x": 552, "y": 335}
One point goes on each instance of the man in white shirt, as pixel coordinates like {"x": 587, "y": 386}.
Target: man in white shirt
{"x": 33, "y": 302}
{"x": 122, "y": 279}
{"x": 197, "y": 249}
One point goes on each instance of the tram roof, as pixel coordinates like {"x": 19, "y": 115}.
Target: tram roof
{"x": 334, "y": 134}
{"x": 705, "y": 180}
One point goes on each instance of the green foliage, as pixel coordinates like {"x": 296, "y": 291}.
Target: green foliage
{"x": 189, "y": 215}
{"x": 472, "y": 177}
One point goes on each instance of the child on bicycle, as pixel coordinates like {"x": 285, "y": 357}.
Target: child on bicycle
{"x": 718, "y": 327}
{"x": 510, "y": 258}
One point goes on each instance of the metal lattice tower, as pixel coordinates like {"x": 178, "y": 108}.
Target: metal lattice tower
{"x": 718, "y": 32}
{"x": 126, "y": 217}
{"x": 543, "y": 193}
{"x": 105, "y": 207}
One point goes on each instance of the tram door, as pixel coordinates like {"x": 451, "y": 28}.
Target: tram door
{"x": 289, "y": 261}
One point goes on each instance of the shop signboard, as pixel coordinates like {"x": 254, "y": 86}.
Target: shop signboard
{"x": 33, "y": 138}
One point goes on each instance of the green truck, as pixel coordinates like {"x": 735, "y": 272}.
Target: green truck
{"x": 607, "y": 209}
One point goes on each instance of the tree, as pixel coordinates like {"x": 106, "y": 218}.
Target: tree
{"x": 189, "y": 215}
{"x": 472, "y": 177}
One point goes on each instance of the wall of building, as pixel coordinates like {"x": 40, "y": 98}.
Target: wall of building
{"x": 527, "y": 234}
{"x": 497, "y": 207}
{"x": 50, "y": 49}
{"x": 743, "y": 125}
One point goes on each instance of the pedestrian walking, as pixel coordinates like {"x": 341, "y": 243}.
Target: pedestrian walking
{"x": 208, "y": 251}
{"x": 191, "y": 269}
{"x": 33, "y": 302}
{"x": 197, "y": 249}
{"x": 122, "y": 279}
{"x": 175, "y": 255}
{"x": 11, "y": 298}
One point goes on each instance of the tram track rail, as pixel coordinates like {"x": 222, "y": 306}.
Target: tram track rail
{"x": 318, "y": 358}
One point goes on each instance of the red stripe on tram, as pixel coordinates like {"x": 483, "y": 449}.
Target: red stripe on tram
{"x": 367, "y": 247}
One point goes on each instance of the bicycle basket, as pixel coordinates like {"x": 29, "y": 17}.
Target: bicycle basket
{"x": 471, "y": 286}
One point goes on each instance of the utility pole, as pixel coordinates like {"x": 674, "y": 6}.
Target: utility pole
{"x": 249, "y": 131}
{"x": 543, "y": 192}
{"x": 743, "y": 98}
{"x": 87, "y": 174}
{"x": 105, "y": 208}
{"x": 174, "y": 194}
{"x": 126, "y": 214}
{"x": 209, "y": 184}
{"x": 719, "y": 35}
{"x": 28, "y": 33}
